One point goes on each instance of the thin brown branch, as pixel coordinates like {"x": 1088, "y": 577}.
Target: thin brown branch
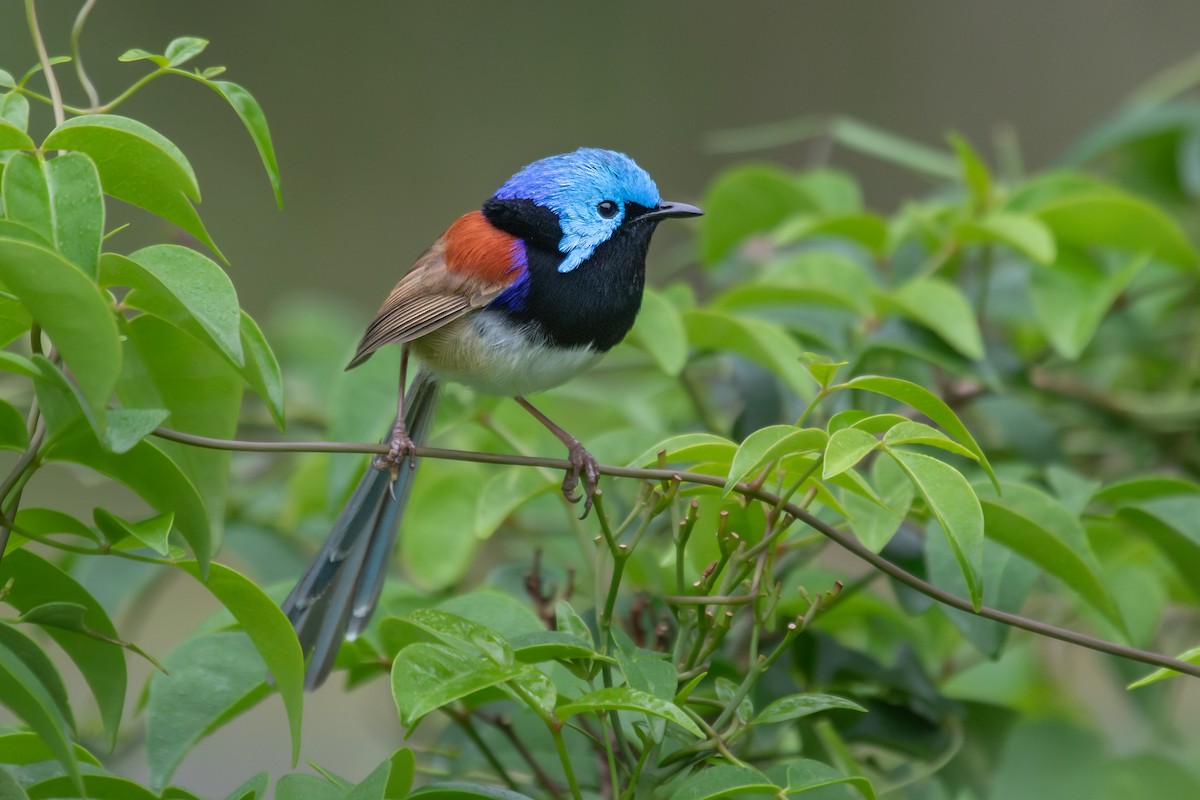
{"x": 845, "y": 540}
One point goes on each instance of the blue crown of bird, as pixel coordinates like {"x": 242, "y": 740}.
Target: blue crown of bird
{"x": 512, "y": 299}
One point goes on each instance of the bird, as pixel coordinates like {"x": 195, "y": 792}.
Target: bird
{"x": 514, "y": 298}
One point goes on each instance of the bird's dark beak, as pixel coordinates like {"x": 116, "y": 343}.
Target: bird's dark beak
{"x": 665, "y": 210}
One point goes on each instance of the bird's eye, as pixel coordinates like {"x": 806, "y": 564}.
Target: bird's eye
{"x": 607, "y": 208}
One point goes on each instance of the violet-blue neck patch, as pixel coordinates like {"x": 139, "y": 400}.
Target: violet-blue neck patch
{"x": 573, "y": 185}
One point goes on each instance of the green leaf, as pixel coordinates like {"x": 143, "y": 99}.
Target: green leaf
{"x": 724, "y": 780}
{"x": 72, "y": 310}
{"x": 1122, "y": 221}
{"x": 26, "y": 195}
{"x": 928, "y": 404}
{"x": 26, "y": 652}
{"x": 974, "y": 172}
{"x": 97, "y": 787}
{"x": 567, "y": 620}
{"x": 251, "y": 115}
{"x": 36, "y": 582}
{"x": 534, "y": 648}
{"x": 1192, "y": 656}
{"x": 887, "y": 146}
{"x": 268, "y": 627}
{"x": 298, "y": 786}
{"x": 184, "y": 49}
{"x": 138, "y": 165}
{"x": 954, "y": 504}
{"x": 128, "y": 426}
{"x": 1145, "y": 487}
{"x": 10, "y": 789}
{"x": 762, "y": 342}
{"x": 77, "y": 209}
{"x": 626, "y": 699}
{"x": 14, "y": 319}
{"x": 1071, "y": 297}
{"x": 503, "y": 494}
{"x": 908, "y": 432}
{"x": 942, "y": 308}
{"x": 747, "y": 200}
{"x": 426, "y": 677}
{"x": 1023, "y": 233}
{"x": 13, "y": 137}
{"x": 31, "y": 700}
{"x": 147, "y": 470}
{"x": 1038, "y": 527}
{"x": 181, "y": 286}
{"x": 805, "y": 775}
{"x": 262, "y": 370}
{"x": 167, "y": 367}
{"x": 768, "y": 444}
{"x": 252, "y": 789}
{"x": 14, "y": 109}
{"x": 208, "y": 680}
{"x": 138, "y": 54}
{"x": 845, "y": 449}
{"x": 875, "y": 525}
{"x": 29, "y": 748}
{"x": 153, "y": 532}
{"x": 823, "y": 369}
{"x": 810, "y": 277}
{"x": 689, "y": 447}
{"x": 13, "y": 435}
{"x": 73, "y": 617}
{"x": 795, "y": 706}
{"x": 868, "y": 230}
{"x": 456, "y": 631}
{"x": 659, "y": 332}
{"x": 465, "y": 790}
{"x": 1173, "y": 525}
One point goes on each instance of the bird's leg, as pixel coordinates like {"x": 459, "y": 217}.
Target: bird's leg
{"x": 400, "y": 446}
{"x": 582, "y": 462}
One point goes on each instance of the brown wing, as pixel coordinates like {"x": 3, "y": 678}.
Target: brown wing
{"x": 425, "y": 299}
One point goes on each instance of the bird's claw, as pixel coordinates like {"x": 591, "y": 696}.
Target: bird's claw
{"x": 400, "y": 448}
{"x": 583, "y": 464}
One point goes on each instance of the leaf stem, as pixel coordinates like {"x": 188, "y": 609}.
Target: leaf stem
{"x": 40, "y": 44}
{"x": 77, "y": 57}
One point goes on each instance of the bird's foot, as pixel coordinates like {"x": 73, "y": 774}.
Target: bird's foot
{"x": 583, "y": 464}
{"x": 400, "y": 448}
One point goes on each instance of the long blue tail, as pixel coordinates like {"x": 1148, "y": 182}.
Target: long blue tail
{"x": 336, "y": 596}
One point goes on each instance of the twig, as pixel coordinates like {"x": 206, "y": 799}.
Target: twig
{"x": 845, "y": 540}
{"x": 44, "y": 58}
{"x": 76, "y": 32}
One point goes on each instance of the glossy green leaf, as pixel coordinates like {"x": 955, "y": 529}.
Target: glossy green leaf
{"x": 1022, "y": 233}
{"x": 438, "y": 625}
{"x": 567, "y": 620}
{"x": 26, "y": 195}
{"x": 426, "y": 677}
{"x": 138, "y": 165}
{"x": 873, "y": 524}
{"x": 153, "y": 532}
{"x": 659, "y": 332}
{"x": 13, "y": 435}
{"x": 823, "y": 369}
{"x": 768, "y": 444}
{"x": 953, "y": 503}
{"x": 805, "y": 775}
{"x": 724, "y": 780}
{"x": 1117, "y": 220}
{"x": 1041, "y": 529}
{"x": 13, "y": 137}
{"x": 624, "y": 698}
{"x": 27, "y": 696}
{"x": 251, "y": 115}
{"x": 77, "y": 209}
{"x": 795, "y": 706}
{"x": 147, "y": 470}
{"x": 762, "y": 342}
{"x": 181, "y": 286}
{"x": 184, "y": 49}
{"x": 747, "y": 200}
{"x": 942, "y": 308}
{"x": 1071, "y": 297}
{"x": 533, "y": 648}
{"x": 262, "y": 369}
{"x": 845, "y": 449}
{"x": 14, "y": 109}
{"x": 1173, "y": 524}
{"x": 128, "y": 426}
{"x": 72, "y": 310}
{"x": 138, "y": 54}
{"x": 209, "y": 680}
{"x": 1192, "y": 656}
{"x": 36, "y": 582}
{"x": 908, "y": 432}
{"x": 203, "y": 394}
{"x": 928, "y": 404}
{"x": 29, "y": 748}
{"x": 268, "y": 628}
{"x": 14, "y": 319}
{"x": 95, "y": 787}
{"x": 689, "y": 447}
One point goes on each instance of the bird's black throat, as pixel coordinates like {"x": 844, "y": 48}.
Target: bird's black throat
{"x": 594, "y": 304}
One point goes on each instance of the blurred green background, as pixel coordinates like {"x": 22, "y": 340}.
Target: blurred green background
{"x": 391, "y": 119}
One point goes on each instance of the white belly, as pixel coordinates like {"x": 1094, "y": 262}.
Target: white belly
{"x": 491, "y": 354}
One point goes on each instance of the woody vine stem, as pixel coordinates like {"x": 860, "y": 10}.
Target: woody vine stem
{"x": 746, "y": 489}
